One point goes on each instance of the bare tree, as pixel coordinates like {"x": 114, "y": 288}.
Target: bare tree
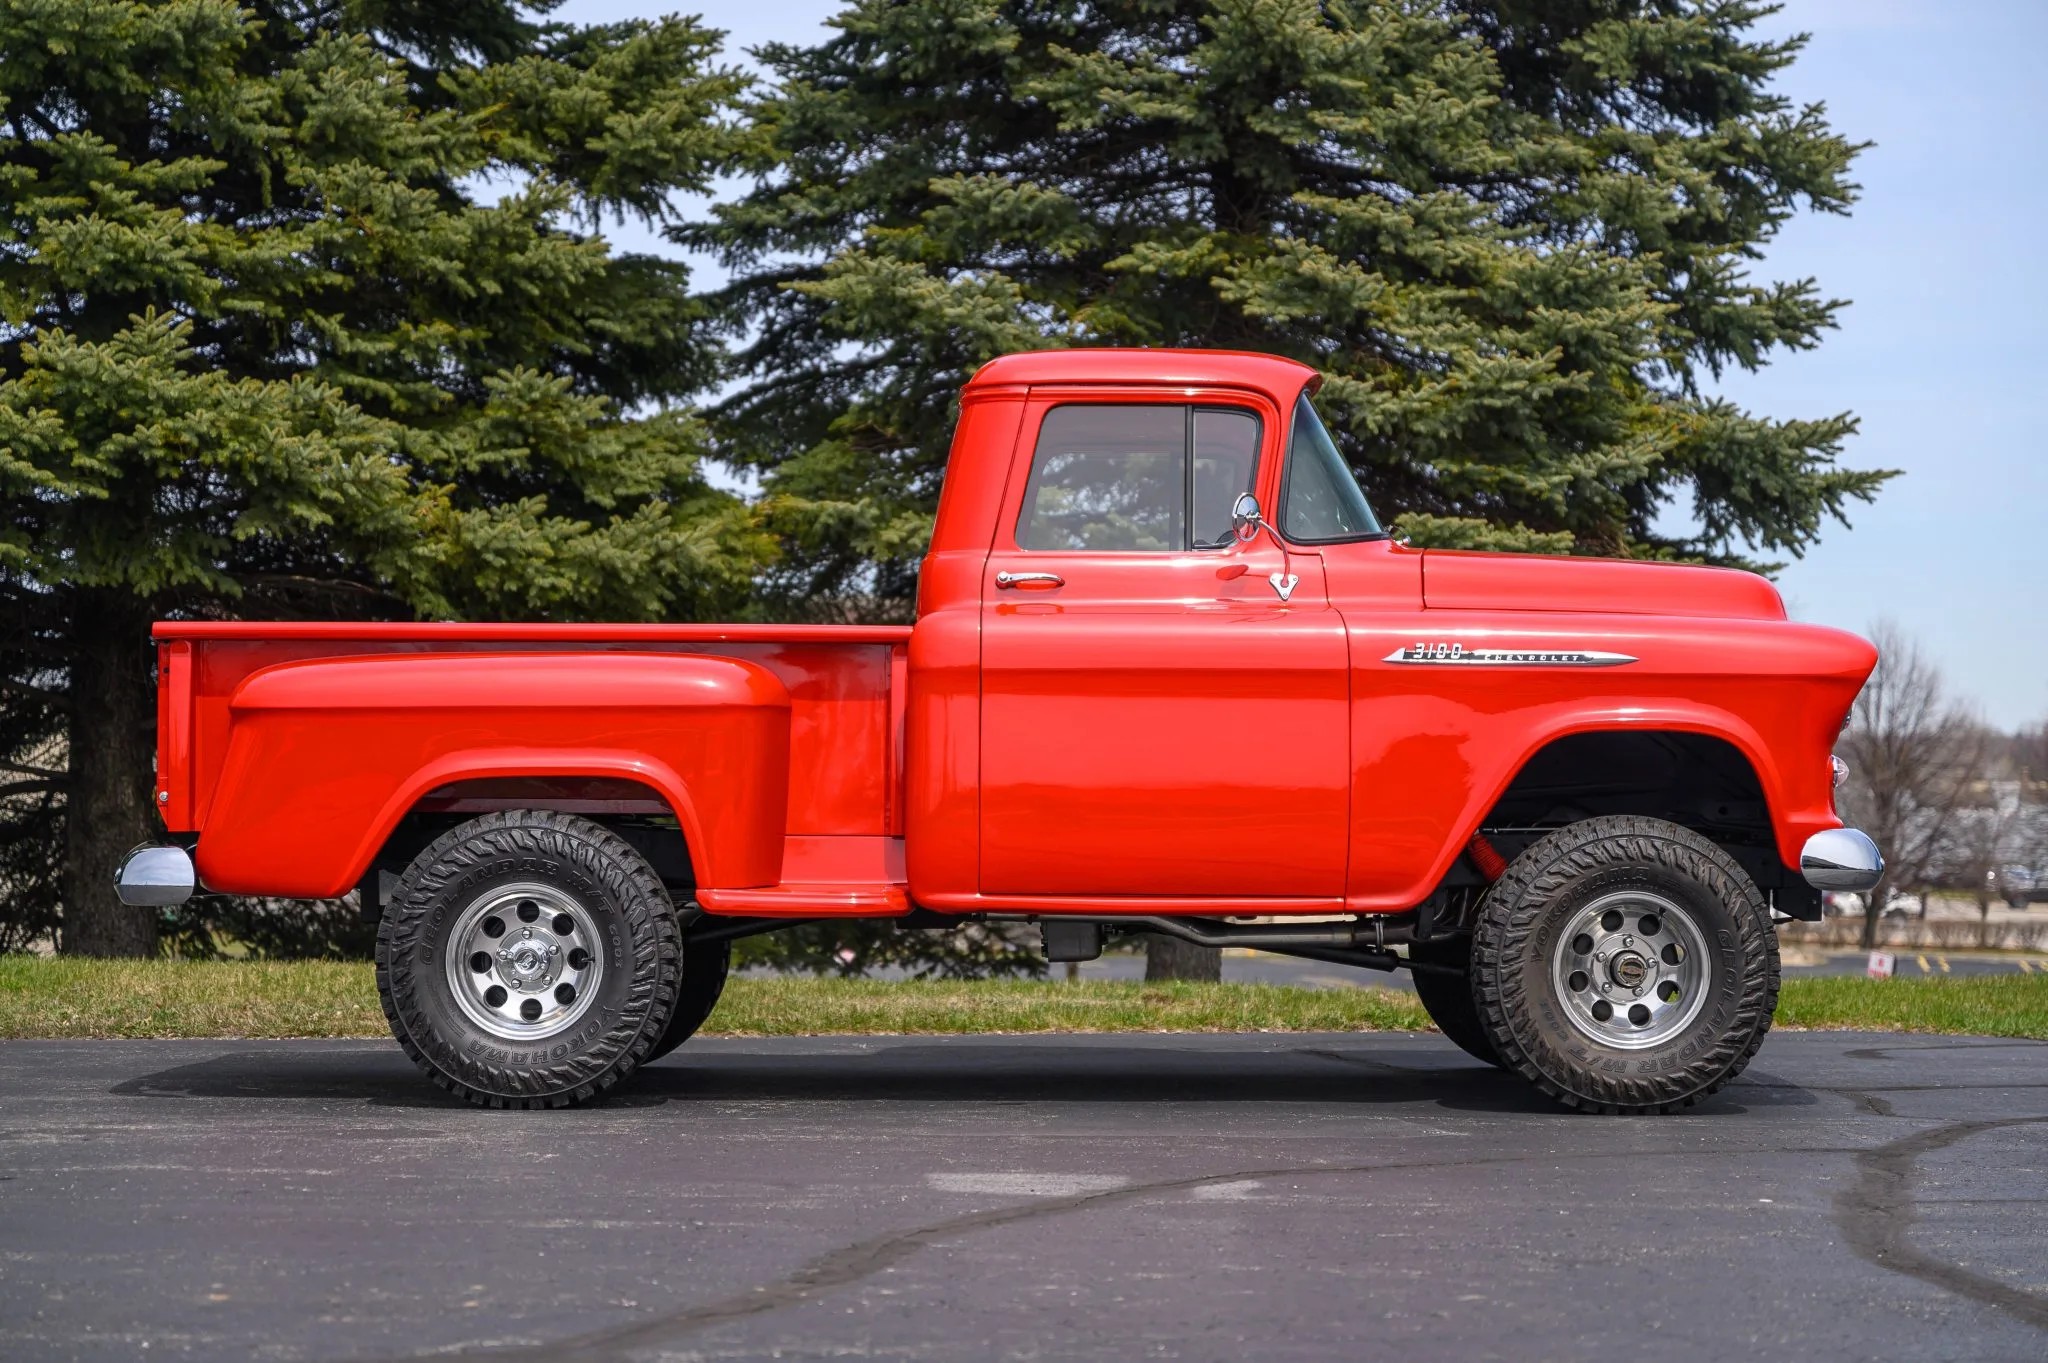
{"x": 2030, "y": 761}
{"x": 1914, "y": 755}
{"x": 1980, "y": 838}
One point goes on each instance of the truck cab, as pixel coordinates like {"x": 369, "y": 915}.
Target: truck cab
{"x": 1169, "y": 673}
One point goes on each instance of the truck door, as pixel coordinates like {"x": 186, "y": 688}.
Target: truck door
{"x": 1164, "y": 708}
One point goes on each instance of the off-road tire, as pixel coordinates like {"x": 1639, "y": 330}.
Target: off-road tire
{"x": 705, "y": 966}
{"x": 1519, "y": 1003}
{"x": 1448, "y": 998}
{"x": 633, "y": 1000}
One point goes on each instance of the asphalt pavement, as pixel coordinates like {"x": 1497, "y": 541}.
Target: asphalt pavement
{"x": 1270, "y": 1196}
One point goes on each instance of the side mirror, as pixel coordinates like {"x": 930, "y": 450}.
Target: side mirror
{"x": 1246, "y": 518}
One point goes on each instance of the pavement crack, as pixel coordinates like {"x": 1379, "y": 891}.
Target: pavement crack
{"x": 863, "y": 1259}
{"x": 1887, "y": 1052}
{"x": 1877, "y": 1212}
{"x": 1363, "y": 1061}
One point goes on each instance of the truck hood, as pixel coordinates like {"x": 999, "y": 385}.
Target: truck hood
{"x": 1461, "y": 580}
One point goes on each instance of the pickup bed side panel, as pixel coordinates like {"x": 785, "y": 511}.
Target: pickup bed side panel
{"x": 323, "y": 757}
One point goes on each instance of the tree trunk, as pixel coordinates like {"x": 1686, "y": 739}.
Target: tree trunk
{"x": 1169, "y": 958}
{"x": 108, "y": 801}
{"x": 1873, "y": 906}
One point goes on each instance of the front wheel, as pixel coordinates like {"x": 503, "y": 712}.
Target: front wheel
{"x": 528, "y": 959}
{"x": 1625, "y": 964}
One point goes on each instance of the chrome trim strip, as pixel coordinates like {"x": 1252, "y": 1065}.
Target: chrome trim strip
{"x": 1841, "y": 859}
{"x": 1456, "y": 655}
{"x": 152, "y": 876}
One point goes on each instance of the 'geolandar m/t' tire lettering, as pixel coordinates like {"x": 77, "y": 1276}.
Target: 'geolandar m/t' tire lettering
{"x": 1625, "y": 964}
{"x": 529, "y": 959}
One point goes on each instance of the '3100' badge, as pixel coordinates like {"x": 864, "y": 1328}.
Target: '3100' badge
{"x": 1457, "y": 655}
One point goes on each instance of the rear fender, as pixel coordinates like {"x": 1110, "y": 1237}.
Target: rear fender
{"x": 324, "y": 757}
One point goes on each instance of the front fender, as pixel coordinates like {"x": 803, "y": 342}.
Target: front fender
{"x": 1791, "y": 820}
{"x": 325, "y": 756}
{"x": 1422, "y": 793}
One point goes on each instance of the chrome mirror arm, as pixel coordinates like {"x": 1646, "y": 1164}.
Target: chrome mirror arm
{"x": 1246, "y": 521}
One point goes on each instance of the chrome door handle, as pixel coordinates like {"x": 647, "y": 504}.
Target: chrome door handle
{"x": 1029, "y": 581}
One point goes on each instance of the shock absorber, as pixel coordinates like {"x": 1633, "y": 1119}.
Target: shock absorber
{"x": 1486, "y": 857}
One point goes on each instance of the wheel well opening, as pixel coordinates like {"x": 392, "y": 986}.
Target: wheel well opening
{"x": 1695, "y": 780}
{"x": 636, "y": 812}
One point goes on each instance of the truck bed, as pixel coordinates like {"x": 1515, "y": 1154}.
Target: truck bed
{"x": 842, "y": 845}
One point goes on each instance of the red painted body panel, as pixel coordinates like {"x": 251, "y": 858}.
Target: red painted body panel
{"x": 1158, "y": 733}
{"x": 845, "y": 877}
{"x": 841, "y": 770}
{"x": 1116, "y": 705}
{"x": 1455, "y": 580}
{"x": 325, "y": 756}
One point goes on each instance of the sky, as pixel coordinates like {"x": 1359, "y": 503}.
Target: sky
{"x": 1941, "y": 353}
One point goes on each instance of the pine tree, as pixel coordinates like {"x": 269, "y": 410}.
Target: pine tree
{"x": 1515, "y": 236}
{"x": 305, "y": 309}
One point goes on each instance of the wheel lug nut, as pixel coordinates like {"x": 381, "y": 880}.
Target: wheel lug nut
{"x": 1628, "y": 941}
{"x": 1639, "y": 991}
{"x": 1599, "y": 955}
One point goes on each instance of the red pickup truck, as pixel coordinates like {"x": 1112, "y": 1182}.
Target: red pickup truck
{"x": 1169, "y": 675}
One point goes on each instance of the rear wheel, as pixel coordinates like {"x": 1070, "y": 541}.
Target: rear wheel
{"x": 1447, "y": 998}
{"x": 1625, "y": 964}
{"x": 528, "y": 959}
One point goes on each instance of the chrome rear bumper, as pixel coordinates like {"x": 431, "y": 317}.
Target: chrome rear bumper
{"x": 154, "y": 876}
{"x": 1841, "y": 859}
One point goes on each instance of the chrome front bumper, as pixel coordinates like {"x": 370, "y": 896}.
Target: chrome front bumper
{"x": 1841, "y": 859}
{"x": 154, "y": 876}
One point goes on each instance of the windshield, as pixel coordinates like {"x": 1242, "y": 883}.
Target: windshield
{"x": 1321, "y": 500}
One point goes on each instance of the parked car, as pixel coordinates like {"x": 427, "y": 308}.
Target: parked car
{"x": 1168, "y": 672}
{"x": 2019, "y": 886}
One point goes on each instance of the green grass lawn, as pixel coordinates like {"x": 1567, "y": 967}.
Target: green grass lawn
{"x": 44, "y": 997}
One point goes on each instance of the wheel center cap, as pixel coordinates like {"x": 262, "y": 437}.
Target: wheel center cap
{"x": 1628, "y": 969}
{"x": 528, "y": 963}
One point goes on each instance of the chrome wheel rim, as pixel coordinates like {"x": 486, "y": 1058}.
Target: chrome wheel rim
{"x": 524, "y": 962}
{"x": 1631, "y": 969}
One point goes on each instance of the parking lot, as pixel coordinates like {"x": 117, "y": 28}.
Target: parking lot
{"x": 1114, "y": 1197}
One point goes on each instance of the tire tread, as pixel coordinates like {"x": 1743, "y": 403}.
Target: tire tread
{"x": 626, "y": 877}
{"x": 1513, "y": 909}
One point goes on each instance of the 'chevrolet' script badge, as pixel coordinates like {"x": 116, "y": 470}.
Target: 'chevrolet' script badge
{"x": 1457, "y": 655}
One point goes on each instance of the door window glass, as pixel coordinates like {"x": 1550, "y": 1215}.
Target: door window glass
{"x": 1226, "y": 444}
{"x": 1136, "y": 477}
